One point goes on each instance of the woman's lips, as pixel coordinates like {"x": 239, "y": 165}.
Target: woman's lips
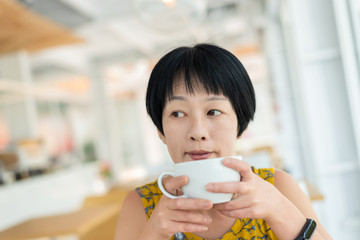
{"x": 199, "y": 155}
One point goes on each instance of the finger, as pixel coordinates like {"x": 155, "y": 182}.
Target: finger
{"x": 229, "y": 187}
{"x": 242, "y": 167}
{"x": 189, "y": 217}
{"x": 190, "y": 227}
{"x": 173, "y": 184}
{"x": 194, "y": 228}
{"x": 238, "y": 203}
{"x": 189, "y": 204}
{"x": 239, "y": 213}
{"x": 174, "y": 227}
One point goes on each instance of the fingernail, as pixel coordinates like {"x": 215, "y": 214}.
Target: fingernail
{"x": 208, "y": 219}
{"x": 210, "y": 187}
{"x": 204, "y": 228}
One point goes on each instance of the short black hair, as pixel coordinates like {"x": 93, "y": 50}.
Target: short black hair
{"x": 204, "y": 65}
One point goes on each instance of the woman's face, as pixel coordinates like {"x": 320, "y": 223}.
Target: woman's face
{"x": 198, "y": 126}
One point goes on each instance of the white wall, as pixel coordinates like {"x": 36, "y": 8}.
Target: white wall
{"x": 317, "y": 61}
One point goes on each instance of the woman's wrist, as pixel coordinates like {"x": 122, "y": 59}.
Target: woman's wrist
{"x": 149, "y": 234}
{"x": 288, "y": 220}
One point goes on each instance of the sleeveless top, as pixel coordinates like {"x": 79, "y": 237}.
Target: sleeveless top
{"x": 243, "y": 228}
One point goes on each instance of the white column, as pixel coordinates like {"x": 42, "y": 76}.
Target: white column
{"x": 107, "y": 145}
{"x": 280, "y": 70}
{"x": 327, "y": 104}
{"x": 21, "y": 115}
{"x": 351, "y": 64}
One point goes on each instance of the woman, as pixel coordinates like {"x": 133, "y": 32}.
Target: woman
{"x": 201, "y": 100}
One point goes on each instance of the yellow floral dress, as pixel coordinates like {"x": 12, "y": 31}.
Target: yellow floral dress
{"x": 243, "y": 228}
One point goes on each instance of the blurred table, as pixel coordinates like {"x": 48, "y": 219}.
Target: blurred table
{"x": 311, "y": 191}
{"x": 85, "y": 224}
{"x": 314, "y": 193}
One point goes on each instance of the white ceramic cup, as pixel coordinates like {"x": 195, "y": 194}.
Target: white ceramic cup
{"x": 200, "y": 173}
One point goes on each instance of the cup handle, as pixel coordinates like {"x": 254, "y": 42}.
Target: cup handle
{"x": 169, "y": 195}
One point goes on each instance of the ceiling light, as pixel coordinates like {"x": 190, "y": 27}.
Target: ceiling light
{"x": 169, "y": 3}
{"x": 170, "y": 15}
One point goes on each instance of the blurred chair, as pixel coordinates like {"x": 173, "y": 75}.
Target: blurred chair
{"x": 274, "y": 156}
{"x": 269, "y": 157}
{"x": 9, "y": 161}
{"x": 310, "y": 190}
{"x": 9, "y": 164}
{"x": 32, "y": 154}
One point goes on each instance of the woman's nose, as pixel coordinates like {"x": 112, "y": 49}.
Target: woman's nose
{"x": 196, "y": 139}
{"x": 198, "y": 130}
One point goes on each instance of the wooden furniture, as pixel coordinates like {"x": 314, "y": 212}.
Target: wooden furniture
{"x": 311, "y": 191}
{"x": 9, "y": 161}
{"x": 275, "y": 160}
{"x": 107, "y": 230}
{"x": 32, "y": 154}
{"x": 83, "y": 223}
{"x": 96, "y": 220}
{"x": 21, "y": 29}
{"x": 111, "y": 198}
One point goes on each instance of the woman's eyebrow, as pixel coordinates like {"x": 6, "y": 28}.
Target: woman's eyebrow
{"x": 215, "y": 98}
{"x": 181, "y": 98}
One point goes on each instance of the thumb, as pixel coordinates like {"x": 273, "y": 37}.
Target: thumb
{"x": 173, "y": 184}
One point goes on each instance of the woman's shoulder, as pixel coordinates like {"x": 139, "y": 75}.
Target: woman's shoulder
{"x": 132, "y": 201}
{"x": 283, "y": 180}
{"x": 132, "y": 217}
{"x": 132, "y": 197}
{"x": 279, "y": 178}
{"x": 289, "y": 187}
{"x": 142, "y": 195}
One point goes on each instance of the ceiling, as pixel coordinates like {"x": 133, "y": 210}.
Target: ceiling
{"x": 23, "y": 29}
{"x": 116, "y": 34}
{"x": 126, "y": 30}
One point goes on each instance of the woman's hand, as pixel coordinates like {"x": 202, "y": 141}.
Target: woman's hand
{"x": 283, "y": 205}
{"x": 177, "y": 215}
{"x": 253, "y": 197}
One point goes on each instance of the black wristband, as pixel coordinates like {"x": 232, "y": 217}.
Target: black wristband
{"x": 308, "y": 230}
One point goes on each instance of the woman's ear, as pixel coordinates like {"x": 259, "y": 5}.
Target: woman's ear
{"x": 162, "y": 137}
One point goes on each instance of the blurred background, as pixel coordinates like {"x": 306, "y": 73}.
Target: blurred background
{"x": 73, "y": 76}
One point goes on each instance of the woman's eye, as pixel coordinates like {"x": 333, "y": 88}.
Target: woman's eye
{"x": 214, "y": 112}
{"x": 177, "y": 114}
